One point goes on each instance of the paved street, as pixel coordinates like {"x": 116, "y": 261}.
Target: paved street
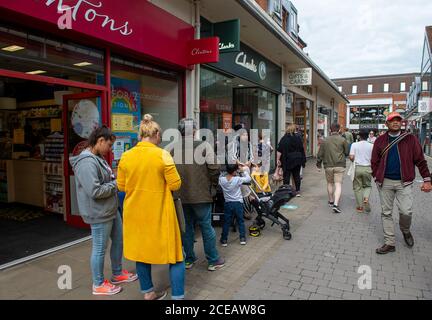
{"x": 320, "y": 262}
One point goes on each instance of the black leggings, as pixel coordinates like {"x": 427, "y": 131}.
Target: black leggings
{"x": 295, "y": 172}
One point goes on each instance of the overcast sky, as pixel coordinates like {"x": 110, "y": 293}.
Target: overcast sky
{"x": 348, "y": 38}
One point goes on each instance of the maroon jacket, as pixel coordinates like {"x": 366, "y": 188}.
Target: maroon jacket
{"x": 410, "y": 154}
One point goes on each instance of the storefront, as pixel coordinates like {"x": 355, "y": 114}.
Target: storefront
{"x": 243, "y": 87}
{"x": 56, "y": 86}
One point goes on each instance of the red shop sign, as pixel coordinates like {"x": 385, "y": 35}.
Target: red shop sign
{"x": 204, "y": 51}
{"x": 136, "y": 25}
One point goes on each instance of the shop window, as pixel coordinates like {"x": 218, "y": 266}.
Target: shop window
{"x": 138, "y": 89}
{"x": 216, "y": 100}
{"x": 256, "y": 109}
{"x": 39, "y": 54}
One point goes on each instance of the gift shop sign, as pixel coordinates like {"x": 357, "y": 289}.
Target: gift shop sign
{"x": 139, "y": 26}
{"x": 204, "y": 51}
{"x": 300, "y": 77}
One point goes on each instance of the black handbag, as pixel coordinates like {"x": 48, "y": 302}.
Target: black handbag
{"x": 180, "y": 214}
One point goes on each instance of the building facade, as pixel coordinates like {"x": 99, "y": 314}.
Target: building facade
{"x": 64, "y": 72}
{"x": 419, "y": 109}
{"x": 372, "y": 98}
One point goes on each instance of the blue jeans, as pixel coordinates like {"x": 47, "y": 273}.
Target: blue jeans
{"x": 101, "y": 232}
{"x": 177, "y": 277}
{"x": 233, "y": 209}
{"x": 200, "y": 214}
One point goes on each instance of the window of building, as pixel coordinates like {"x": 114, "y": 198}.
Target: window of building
{"x": 424, "y": 86}
{"x": 37, "y": 53}
{"x": 354, "y": 89}
{"x": 402, "y": 86}
{"x": 386, "y": 87}
{"x": 370, "y": 88}
{"x": 340, "y": 89}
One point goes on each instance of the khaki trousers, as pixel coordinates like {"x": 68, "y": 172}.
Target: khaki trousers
{"x": 390, "y": 191}
{"x": 362, "y": 184}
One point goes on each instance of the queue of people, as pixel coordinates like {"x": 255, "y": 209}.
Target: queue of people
{"x": 145, "y": 228}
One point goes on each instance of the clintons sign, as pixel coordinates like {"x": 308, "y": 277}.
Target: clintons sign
{"x": 137, "y": 25}
{"x": 204, "y": 50}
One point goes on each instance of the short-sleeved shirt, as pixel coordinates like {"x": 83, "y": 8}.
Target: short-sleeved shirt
{"x": 362, "y": 151}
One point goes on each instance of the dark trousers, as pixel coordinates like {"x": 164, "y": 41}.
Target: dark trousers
{"x": 295, "y": 173}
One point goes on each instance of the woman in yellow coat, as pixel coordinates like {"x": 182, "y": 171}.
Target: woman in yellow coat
{"x": 151, "y": 231}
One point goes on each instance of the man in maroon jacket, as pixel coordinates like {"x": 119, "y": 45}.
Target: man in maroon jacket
{"x": 394, "y": 157}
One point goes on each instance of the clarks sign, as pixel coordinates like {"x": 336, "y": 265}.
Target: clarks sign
{"x": 126, "y": 25}
{"x": 250, "y": 65}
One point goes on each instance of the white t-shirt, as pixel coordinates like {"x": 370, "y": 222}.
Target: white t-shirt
{"x": 362, "y": 152}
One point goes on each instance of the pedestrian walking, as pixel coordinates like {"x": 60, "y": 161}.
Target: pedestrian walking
{"x": 152, "y": 235}
{"x": 231, "y": 187}
{"x": 98, "y": 204}
{"x": 361, "y": 155}
{"x": 348, "y": 137}
{"x": 332, "y": 154}
{"x": 263, "y": 151}
{"x": 371, "y": 138}
{"x": 394, "y": 158}
{"x": 196, "y": 194}
{"x": 291, "y": 157}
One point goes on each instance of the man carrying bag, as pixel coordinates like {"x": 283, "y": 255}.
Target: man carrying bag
{"x": 394, "y": 158}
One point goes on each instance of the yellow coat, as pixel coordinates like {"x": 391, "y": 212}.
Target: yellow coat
{"x": 151, "y": 232}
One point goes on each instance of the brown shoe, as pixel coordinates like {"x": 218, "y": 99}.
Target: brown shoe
{"x": 385, "y": 249}
{"x": 155, "y": 295}
{"x": 409, "y": 240}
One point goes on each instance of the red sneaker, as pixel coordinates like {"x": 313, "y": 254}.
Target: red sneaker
{"x": 124, "y": 277}
{"x": 106, "y": 289}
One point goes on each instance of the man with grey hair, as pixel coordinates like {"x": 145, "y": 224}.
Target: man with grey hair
{"x": 199, "y": 182}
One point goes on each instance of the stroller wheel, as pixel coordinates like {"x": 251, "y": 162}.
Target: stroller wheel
{"x": 260, "y": 223}
{"x": 287, "y": 235}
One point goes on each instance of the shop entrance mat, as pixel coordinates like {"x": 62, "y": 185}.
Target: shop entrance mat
{"x": 20, "y": 238}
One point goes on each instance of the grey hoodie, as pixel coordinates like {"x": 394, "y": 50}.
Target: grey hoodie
{"x": 96, "y": 188}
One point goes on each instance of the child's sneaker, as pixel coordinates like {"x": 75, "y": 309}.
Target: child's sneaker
{"x": 124, "y": 277}
{"x": 106, "y": 289}
{"x": 242, "y": 241}
{"x": 224, "y": 243}
{"x": 217, "y": 265}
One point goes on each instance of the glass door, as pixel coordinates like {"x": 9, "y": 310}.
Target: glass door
{"x": 82, "y": 113}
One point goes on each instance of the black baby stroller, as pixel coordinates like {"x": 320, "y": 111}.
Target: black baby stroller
{"x": 267, "y": 205}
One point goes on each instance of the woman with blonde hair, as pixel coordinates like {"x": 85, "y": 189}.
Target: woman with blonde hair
{"x": 291, "y": 156}
{"x": 152, "y": 235}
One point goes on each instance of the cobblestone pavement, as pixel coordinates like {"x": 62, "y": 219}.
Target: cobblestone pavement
{"x": 320, "y": 262}
{"x": 322, "y": 259}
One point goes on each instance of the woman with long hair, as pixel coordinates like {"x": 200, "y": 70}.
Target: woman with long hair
{"x": 98, "y": 204}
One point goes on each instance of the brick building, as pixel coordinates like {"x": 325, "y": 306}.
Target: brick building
{"x": 373, "y": 97}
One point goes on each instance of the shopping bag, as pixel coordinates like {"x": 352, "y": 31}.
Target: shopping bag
{"x": 351, "y": 171}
